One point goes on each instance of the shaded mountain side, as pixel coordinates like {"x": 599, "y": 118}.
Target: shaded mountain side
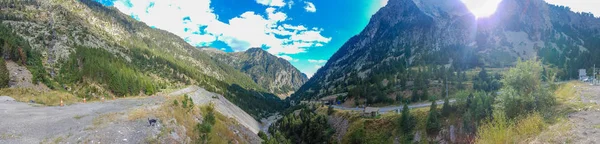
{"x": 408, "y": 39}
{"x": 274, "y": 74}
{"x": 90, "y": 50}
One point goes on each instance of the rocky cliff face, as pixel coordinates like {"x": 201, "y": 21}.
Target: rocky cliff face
{"x": 413, "y": 33}
{"x": 274, "y": 74}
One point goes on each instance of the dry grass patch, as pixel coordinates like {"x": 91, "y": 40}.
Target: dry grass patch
{"x": 503, "y": 131}
{"x": 138, "y": 113}
{"x": 560, "y": 132}
{"x": 49, "y": 98}
{"x": 103, "y": 119}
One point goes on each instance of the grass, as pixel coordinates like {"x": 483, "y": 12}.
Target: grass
{"x": 138, "y": 114}
{"x": 535, "y": 128}
{"x": 597, "y": 126}
{"x": 502, "y": 131}
{"x": 58, "y": 140}
{"x": 5, "y": 136}
{"x": 49, "y": 98}
{"x": 187, "y": 117}
{"x": 77, "y": 117}
{"x": 102, "y": 120}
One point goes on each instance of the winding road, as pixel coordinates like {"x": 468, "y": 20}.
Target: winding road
{"x": 393, "y": 108}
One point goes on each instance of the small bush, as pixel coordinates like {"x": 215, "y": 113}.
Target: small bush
{"x": 4, "y": 74}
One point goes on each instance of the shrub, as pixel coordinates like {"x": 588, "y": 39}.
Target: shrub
{"x": 523, "y": 91}
{"x": 4, "y": 74}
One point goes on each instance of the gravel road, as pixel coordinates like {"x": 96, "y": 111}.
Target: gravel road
{"x": 31, "y": 123}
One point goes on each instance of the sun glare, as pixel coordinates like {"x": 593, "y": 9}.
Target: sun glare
{"x": 482, "y": 8}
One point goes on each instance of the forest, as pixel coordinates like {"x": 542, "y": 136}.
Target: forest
{"x": 523, "y": 104}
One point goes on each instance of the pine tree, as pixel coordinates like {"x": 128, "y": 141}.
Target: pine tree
{"x": 407, "y": 123}
{"x": 415, "y": 95}
{"x": 446, "y": 109}
{"x": 433, "y": 122}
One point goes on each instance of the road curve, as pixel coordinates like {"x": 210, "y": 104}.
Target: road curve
{"x": 393, "y": 108}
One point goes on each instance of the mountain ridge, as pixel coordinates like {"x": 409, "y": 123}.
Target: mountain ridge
{"x": 275, "y": 74}
{"x": 415, "y": 33}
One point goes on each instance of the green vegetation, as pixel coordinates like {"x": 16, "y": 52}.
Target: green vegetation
{"x": 525, "y": 108}
{"x": 4, "y": 74}
{"x": 407, "y": 124}
{"x": 103, "y": 67}
{"x": 17, "y": 49}
{"x": 140, "y": 61}
{"x": 203, "y": 129}
{"x": 302, "y": 126}
{"x": 50, "y": 98}
{"x": 523, "y": 91}
{"x": 433, "y": 120}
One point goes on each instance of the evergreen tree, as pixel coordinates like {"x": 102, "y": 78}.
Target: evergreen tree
{"x": 433, "y": 122}
{"x": 446, "y": 109}
{"x": 415, "y": 95}
{"x": 407, "y": 123}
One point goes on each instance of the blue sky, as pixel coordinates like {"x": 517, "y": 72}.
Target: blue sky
{"x": 304, "y": 32}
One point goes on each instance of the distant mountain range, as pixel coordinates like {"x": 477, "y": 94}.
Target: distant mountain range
{"x": 407, "y": 35}
{"x": 274, "y": 74}
{"x": 91, "y": 50}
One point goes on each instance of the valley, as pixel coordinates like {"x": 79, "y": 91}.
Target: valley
{"x": 419, "y": 71}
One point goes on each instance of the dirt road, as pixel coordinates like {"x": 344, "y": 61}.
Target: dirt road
{"x": 30, "y": 123}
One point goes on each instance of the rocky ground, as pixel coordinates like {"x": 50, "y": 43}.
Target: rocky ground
{"x": 90, "y": 122}
{"x": 20, "y": 77}
{"x": 113, "y": 121}
{"x": 586, "y": 122}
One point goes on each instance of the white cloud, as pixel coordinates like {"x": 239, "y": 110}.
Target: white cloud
{"x": 277, "y": 3}
{"x": 312, "y": 36}
{"x": 382, "y": 3}
{"x": 288, "y": 58}
{"x": 318, "y": 66}
{"x": 310, "y": 7}
{"x": 290, "y": 4}
{"x": 317, "y": 61}
{"x": 291, "y": 27}
{"x": 195, "y": 22}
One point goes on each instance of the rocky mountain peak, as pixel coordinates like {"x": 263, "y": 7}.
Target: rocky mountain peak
{"x": 409, "y": 33}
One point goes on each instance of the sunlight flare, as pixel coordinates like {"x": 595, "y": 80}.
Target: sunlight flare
{"x": 482, "y": 8}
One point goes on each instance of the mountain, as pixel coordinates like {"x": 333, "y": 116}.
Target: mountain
{"x": 274, "y": 74}
{"x": 408, "y": 40}
{"x": 90, "y": 50}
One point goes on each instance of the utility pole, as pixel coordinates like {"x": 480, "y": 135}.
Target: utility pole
{"x": 446, "y": 85}
{"x": 594, "y": 75}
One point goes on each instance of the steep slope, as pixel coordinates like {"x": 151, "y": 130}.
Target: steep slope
{"x": 92, "y": 51}
{"x": 274, "y": 74}
{"x": 407, "y": 36}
